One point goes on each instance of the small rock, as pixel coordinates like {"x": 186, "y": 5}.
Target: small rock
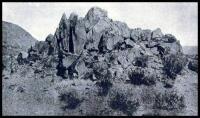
{"x": 20, "y": 89}
{"x": 12, "y": 87}
{"x": 6, "y": 77}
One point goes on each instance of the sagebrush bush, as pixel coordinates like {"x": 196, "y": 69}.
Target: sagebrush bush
{"x": 141, "y": 61}
{"x": 137, "y": 77}
{"x": 169, "y": 101}
{"x": 70, "y": 100}
{"x": 173, "y": 64}
{"x": 120, "y": 102}
{"x": 104, "y": 87}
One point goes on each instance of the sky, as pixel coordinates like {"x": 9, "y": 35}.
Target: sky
{"x": 41, "y": 19}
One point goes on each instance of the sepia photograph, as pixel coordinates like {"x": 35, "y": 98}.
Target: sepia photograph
{"x": 99, "y": 58}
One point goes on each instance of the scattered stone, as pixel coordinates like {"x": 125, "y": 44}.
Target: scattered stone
{"x": 6, "y": 77}
{"x": 20, "y": 89}
{"x": 169, "y": 101}
{"x": 70, "y": 101}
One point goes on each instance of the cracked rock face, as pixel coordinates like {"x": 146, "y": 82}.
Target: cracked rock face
{"x": 89, "y": 59}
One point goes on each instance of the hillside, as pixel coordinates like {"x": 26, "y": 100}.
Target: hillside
{"x": 15, "y": 39}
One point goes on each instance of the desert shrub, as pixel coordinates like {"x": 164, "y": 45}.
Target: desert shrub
{"x": 137, "y": 77}
{"x": 61, "y": 70}
{"x": 70, "y": 100}
{"x": 19, "y": 58}
{"x": 141, "y": 61}
{"x": 50, "y": 50}
{"x": 120, "y": 102}
{"x": 150, "y": 80}
{"x": 102, "y": 45}
{"x": 104, "y": 77}
{"x": 169, "y": 101}
{"x": 173, "y": 64}
{"x": 104, "y": 87}
{"x": 154, "y": 113}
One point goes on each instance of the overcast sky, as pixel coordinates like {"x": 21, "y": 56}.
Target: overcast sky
{"x": 40, "y": 19}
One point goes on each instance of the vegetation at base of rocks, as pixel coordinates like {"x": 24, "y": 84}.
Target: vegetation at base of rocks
{"x": 141, "y": 61}
{"x": 138, "y": 77}
{"x": 103, "y": 77}
{"x": 20, "y": 59}
{"x": 70, "y": 100}
{"x": 61, "y": 71}
{"x": 120, "y": 102}
{"x": 169, "y": 101}
{"x": 104, "y": 87}
{"x": 173, "y": 64}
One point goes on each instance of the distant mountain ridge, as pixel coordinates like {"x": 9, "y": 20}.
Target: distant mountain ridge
{"x": 15, "y": 36}
{"x": 190, "y": 50}
{"x": 15, "y": 39}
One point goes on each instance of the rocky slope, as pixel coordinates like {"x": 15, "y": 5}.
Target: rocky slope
{"x": 97, "y": 66}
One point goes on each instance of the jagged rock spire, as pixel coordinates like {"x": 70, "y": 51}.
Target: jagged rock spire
{"x": 96, "y": 12}
{"x": 63, "y": 18}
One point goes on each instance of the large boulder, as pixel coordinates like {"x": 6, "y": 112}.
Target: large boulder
{"x": 122, "y": 28}
{"x": 136, "y": 34}
{"x": 95, "y": 34}
{"x": 173, "y": 64}
{"x": 193, "y": 65}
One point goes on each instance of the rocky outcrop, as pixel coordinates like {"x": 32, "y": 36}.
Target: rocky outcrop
{"x": 100, "y": 38}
